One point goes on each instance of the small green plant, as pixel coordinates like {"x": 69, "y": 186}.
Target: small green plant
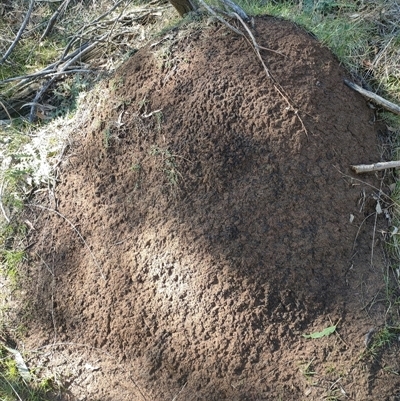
{"x": 330, "y": 369}
{"x": 17, "y": 383}
{"x": 378, "y": 341}
{"x": 117, "y": 83}
{"x": 163, "y": 55}
{"x": 10, "y": 261}
{"x": 159, "y": 118}
{"x": 107, "y": 138}
{"x": 136, "y": 168}
{"x": 384, "y": 337}
{"x": 170, "y": 167}
{"x": 307, "y": 369}
{"x": 66, "y": 95}
{"x": 333, "y": 395}
{"x": 142, "y": 105}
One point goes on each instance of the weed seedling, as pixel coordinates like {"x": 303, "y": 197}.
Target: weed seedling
{"x": 159, "y": 119}
{"x": 136, "y": 167}
{"x": 10, "y": 261}
{"x": 106, "y": 138}
{"x": 170, "y": 167}
{"x": 308, "y": 370}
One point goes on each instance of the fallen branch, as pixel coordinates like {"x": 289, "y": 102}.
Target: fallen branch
{"x": 87, "y": 49}
{"x": 236, "y": 9}
{"x": 52, "y": 21}
{"x": 377, "y": 99}
{"x": 367, "y": 168}
{"x": 43, "y": 73}
{"x": 5, "y": 109}
{"x": 20, "y": 32}
{"x": 35, "y": 102}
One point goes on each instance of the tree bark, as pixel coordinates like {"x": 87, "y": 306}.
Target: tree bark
{"x": 183, "y": 6}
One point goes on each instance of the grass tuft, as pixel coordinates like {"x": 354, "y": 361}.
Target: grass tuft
{"x": 13, "y": 387}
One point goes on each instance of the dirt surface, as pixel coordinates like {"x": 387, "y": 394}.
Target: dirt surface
{"x": 217, "y": 230}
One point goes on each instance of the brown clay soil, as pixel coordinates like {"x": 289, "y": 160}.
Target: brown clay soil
{"x": 218, "y": 230}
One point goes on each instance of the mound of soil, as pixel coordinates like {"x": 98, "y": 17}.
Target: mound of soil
{"x": 215, "y": 229}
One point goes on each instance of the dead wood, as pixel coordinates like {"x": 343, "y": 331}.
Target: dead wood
{"x": 88, "y": 49}
{"x": 219, "y": 18}
{"x": 374, "y": 97}
{"x": 232, "y": 7}
{"x": 19, "y": 34}
{"x": 53, "y": 19}
{"x": 183, "y": 6}
{"x": 367, "y": 168}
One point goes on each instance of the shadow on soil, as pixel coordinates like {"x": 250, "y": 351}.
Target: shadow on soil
{"x": 224, "y": 230}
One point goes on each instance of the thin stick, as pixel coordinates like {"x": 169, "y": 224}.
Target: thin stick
{"x": 270, "y": 50}
{"x": 176, "y": 396}
{"x": 27, "y": 77}
{"x": 394, "y": 108}
{"x": 373, "y": 236}
{"x": 50, "y": 25}
{"x": 367, "y": 168}
{"x": 19, "y": 34}
{"x": 277, "y": 86}
{"x": 39, "y": 94}
{"x": 351, "y": 178}
{"x": 12, "y": 387}
{"x": 137, "y": 386}
{"x": 235, "y": 8}
{"x": 1, "y": 202}
{"x": 219, "y": 18}
{"x": 76, "y": 230}
{"x": 43, "y": 73}
{"x": 359, "y": 229}
{"x": 5, "y": 109}
{"x": 255, "y": 46}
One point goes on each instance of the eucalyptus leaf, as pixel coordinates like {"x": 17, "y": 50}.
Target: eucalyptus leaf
{"x": 20, "y": 363}
{"x": 324, "y": 333}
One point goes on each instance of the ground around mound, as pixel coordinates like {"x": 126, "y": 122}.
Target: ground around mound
{"x": 199, "y": 230}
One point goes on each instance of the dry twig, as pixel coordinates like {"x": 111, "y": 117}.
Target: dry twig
{"x": 106, "y": 32}
{"x": 241, "y": 16}
{"x": 277, "y": 86}
{"x": 367, "y": 168}
{"x": 52, "y": 21}
{"x": 219, "y": 18}
{"x": 20, "y": 32}
{"x": 230, "y": 5}
{"x": 394, "y": 108}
